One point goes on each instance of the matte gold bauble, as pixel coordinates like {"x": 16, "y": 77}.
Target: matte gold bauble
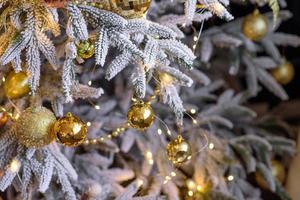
{"x": 33, "y": 127}
{"x": 16, "y": 85}
{"x": 130, "y": 8}
{"x": 70, "y": 130}
{"x": 255, "y": 26}
{"x": 140, "y": 115}
{"x": 3, "y": 119}
{"x": 86, "y": 49}
{"x": 179, "y": 151}
{"x": 284, "y": 73}
{"x": 278, "y": 171}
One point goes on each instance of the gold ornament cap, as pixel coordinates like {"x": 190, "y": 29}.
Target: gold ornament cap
{"x": 70, "y": 130}
{"x": 33, "y": 127}
{"x": 140, "y": 115}
{"x": 179, "y": 151}
{"x": 16, "y": 85}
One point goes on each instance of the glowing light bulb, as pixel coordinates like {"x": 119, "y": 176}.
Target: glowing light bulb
{"x": 159, "y": 131}
{"x": 14, "y": 166}
{"x": 211, "y": 146}
{"x": 193, "y": 111}
{"x": 230, "y": 178}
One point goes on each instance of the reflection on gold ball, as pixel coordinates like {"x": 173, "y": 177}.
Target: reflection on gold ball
{"x": 16, "y": 85}
{"x": 3, "y": 119}
{"x": 284, "y": 73}
{"x": 70, "y": 130}
{"x": 33, "y": 127}
{"x": 86, "y": 49}
{"x": 166, "y": 79}
{"x": 179, "y": 151}
{"x": 140, "y": 115}
{"x": 255, "y": 26}
{"x": 130, "y": 8}
{"x": 278, "y": 171}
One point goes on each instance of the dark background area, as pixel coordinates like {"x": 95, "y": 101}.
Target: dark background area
{"x": 292, "y": 54}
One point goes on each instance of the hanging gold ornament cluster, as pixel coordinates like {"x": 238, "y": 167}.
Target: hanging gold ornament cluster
{"x": 3, "y": 119}
{"x": 278, "y": 171}
{"x": 179, "y": 151}
{"x": 16, "y": 85}
{"x": 140, "y": 115}
{"x": 255, "y": 26}
{"x": 284, "y": 73}
{"x": 33, "y": 127}
{"x": 126, "y": 8}
{"x": 130, "y": 8}
{"x": 86, "y": 49}
{"x": 70, "y": 130}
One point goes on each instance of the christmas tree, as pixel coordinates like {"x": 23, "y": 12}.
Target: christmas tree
{"x": 142, "y": 100}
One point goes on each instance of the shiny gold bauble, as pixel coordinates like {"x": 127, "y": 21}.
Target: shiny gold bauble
{"x": 70, "y": 130}
{"x": 179, "y": 151}
{"x": 86, "y": 49}
{"x": 278, "y": 171}
{"x": 3, "y": 119}
{"x": 255, "y": 26}
{"x": 16, "y": 85}
{"x": 140, "y": 115}
{"x": 130, "y": 8}
{"x": 33, "y": 127}
{"x": 284, "y": 73}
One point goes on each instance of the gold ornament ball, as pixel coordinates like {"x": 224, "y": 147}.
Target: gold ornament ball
{"x": 255, "y": 26}
{"x": 278, "y": 171}
{"x": 86, "y": 49}
{"x": 16, "y": 85}
{"x": 140, "y": 115}
{"x": 284, "y": 73}
{"x": 33, "y": 127}
{"x": 130, "y": 8}
{"x": 70, "y": 130}
{"x": 179, "y": 151}
{"x": 3, "y": 119}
